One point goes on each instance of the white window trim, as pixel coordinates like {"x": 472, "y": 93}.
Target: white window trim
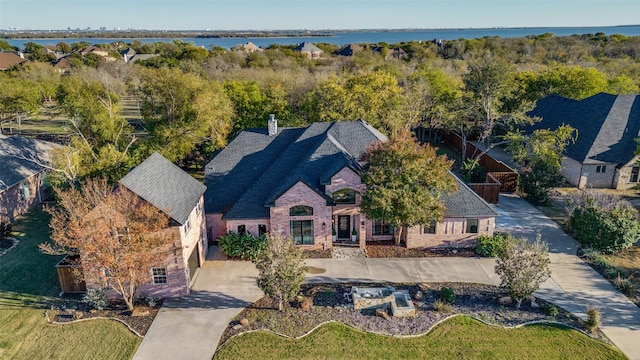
{"x": 155, "y": 278}
{"x": 187, "y": 226}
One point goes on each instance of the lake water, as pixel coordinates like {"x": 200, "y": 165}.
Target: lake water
{"x": 342, "y": 38}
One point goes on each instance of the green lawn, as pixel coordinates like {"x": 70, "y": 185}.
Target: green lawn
{"x": 458, "y": 338}
{"x": 28, "y": 283}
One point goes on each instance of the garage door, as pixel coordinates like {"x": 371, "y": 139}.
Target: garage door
{"x": 194, "y": 262}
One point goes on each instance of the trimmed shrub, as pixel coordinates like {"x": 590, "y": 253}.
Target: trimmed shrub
{"x": 594, "y": 320}
{"x": 447, "y": 295}
{"x": 550, "y": 309}
{"x": 624, "y": 285}
{"x": 492, "y": 246}
{"x": 442, "y": 306}
{"x": 245, "y": 246}
{"x": 603, "y": 223}
{"x": 96, "y": 298}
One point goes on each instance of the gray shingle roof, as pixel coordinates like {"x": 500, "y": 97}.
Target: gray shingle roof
{"x": 307, "y": 47}
{"x": 15, "y": 152}
{"x": 607, "y": 125}
{"x": 165, "y": 186}
{"x": 465, "y": 203}
{"x": 246, "y": 177}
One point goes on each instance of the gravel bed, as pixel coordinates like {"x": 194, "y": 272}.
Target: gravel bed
{"x": 477, "y": 300}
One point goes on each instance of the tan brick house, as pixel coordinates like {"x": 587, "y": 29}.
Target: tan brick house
{"x": 304, "y": 182}
{"x": 603, "y": 155}
{"x": 167, "y": 187}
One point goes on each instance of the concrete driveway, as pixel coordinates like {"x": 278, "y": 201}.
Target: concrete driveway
{"x": 190, "y": 328}
{"x": 574, "y": 285}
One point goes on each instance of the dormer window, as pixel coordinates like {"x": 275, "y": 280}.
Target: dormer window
{"x": 344, "y": 196}
{"x": 300, "y": 210}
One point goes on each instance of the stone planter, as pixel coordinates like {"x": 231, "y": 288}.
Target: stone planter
{"x": 354, "y": 238}
{"x": 335, "y": 238}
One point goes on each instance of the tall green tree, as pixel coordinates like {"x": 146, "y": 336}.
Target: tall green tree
{"x": 405, "y": 182}
{"x": 102, "y": 138}
{"x": 489, "y": 85}
{"x": 540, "y": 157}
{"x": 181, "y": 110}
{"x": 375, "y": 97}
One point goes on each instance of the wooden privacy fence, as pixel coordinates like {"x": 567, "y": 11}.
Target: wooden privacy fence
{"x": 503, "y": 173}
{"x": 489, "y": 191}
{"x": 71, "y": 276}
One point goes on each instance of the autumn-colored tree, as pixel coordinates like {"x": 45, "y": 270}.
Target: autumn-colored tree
{"x": 405, "y": 182}
{"x": 112, "y": 229}
{"x": 281, "y": 269}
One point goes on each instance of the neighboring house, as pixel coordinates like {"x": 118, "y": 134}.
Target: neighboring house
{"x": 397, "y": 53}
{"x": 349, "y": 50}
{"x": 167, "y": 187}
{"x": 9, "y": 59}
{"x": 603, "y": 155}
{"x": 250, "y": 47}
{"x": 127, "y": 54}
{"x": 302, "y": 182}
{"x": 62, "y": 65}
{"x": 23, "y": 164}
{"x": 140, "y": 57}
{"x": 93, "y": 49}
{"x": 312, "y": 51}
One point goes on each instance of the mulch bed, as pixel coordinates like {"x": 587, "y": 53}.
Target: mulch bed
{"x": 66, "y": 312}
{"x": 393, "y": 251}
{"x": 329, "y": 304}
{"x": 317, "y": 254}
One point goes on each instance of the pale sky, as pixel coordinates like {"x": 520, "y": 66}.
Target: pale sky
{"x": 313, "y": 14}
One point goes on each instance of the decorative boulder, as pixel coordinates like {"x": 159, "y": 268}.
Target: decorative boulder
{"x": 506, "y": 300}
{"x": 418, "y": 295}
{"x": 244, "y": 322}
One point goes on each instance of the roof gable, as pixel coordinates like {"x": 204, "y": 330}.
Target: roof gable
{"x": 165, "y": 186}
{"x": 255, "y": 168}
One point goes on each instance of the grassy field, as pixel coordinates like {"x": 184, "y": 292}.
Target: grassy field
{"x": 458, "y": 338}
{"x": 28, "y": 284}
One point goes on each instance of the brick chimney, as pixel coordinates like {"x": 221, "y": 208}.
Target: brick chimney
{"x": 273, "y": 125}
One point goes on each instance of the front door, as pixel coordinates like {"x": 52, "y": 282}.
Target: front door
{"x": 344, "y": 226}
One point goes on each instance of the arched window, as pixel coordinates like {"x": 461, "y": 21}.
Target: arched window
{"x": 344, "y": 196}
{"x": 300, "y": 210}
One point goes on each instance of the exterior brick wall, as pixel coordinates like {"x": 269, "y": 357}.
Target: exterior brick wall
{"x": 571, "y": 170}
{"x": 598, "y": 179}
{"x": 622, "y": 177}
{"x": 449, "y": 233}
{"x": 345, "y": 179}
{"x": 177, "y": 280}
{"x": 11, "y": 202}
{"x": 251, "y": 226}
{"x": 179, "y": 245}
{"x": 216, "y": 227}
{"x": 301, "y": 194}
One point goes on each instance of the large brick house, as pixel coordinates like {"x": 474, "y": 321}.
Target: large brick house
{"x": 178, "y": 195}
{"x": 603, "y": 155}
{"x": 23, "y": 165}
{"x": 304, "y": 182}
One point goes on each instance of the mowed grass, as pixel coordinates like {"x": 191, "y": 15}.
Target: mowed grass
{"x": 458, "y": 338}
{"x": 28, "y": 284}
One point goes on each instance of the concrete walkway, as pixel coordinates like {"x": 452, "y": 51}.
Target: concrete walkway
{"x": 190, "y": 328}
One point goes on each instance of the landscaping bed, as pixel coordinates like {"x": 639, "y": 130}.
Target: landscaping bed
{"x": 392, "y": 251}
{"x": 72, "y": 311}
{"x": 329, "y": 304}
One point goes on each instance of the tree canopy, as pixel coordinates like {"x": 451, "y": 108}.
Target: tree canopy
{"x": 405, "y": 182}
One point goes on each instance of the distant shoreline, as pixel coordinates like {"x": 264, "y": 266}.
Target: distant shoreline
{"x": 221, "y": 34}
